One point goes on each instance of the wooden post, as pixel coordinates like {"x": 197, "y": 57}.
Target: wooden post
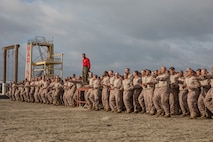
{"x": 4, "y": 73}
{"x": 16, "y": 46}
{"x": 16, "y": 63}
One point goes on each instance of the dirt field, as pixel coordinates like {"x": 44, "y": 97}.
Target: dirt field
{"x": 21, "y": 121}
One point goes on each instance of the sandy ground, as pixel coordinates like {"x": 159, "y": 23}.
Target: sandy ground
{"x": 21, "y": 121}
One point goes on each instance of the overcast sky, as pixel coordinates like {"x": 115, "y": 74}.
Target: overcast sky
{"x": 114, "y": 34}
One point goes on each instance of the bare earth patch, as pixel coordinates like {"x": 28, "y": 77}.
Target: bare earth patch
{"x": 21, "y": 121}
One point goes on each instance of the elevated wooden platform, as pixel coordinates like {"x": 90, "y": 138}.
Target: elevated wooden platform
{"x": 82, "y": 89}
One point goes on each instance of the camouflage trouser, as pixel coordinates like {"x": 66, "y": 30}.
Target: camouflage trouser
{"x": 87, "y": 96}
{"x": 31, "y": 94}
{"x": 57, "y": 96}
{"x": 161, "y": 100}
{"x": 136, "y": 104}
{"x": 71, "y": 96}
{"x": 85, "y": 72}
{"x": 149, "y": 101}
{"x": 174, "y": 101}
{"x": 208, "y": 101}
{"x": 127, "y": 95}
{"x": 201, "y": 105}
{"x": 105, "y": 98}
{"x": 141, "y": 99}
{"x": 118, "y": 99}
{"x": 192, "y": 103}
{"x": 94, "y": 98}
{"x": 183, "y": 101}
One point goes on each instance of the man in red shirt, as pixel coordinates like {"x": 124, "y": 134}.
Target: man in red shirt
{"x": 86, "y": 69}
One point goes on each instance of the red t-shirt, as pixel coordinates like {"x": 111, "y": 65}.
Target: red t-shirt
{"x": 86, "y": 62}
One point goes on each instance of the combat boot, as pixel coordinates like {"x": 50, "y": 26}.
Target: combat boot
{"x": 193, "y": 116}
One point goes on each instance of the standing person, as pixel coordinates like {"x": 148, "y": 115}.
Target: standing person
{"x": 208, "y": 101}
{"x": 41, "y": 83}
{"x": 149, "y": 91}
{"x": 136, "y": 91}
{"x": 66, "y": 89}
{"x": 86, "y": 69}
{"x": 130, "y": 76}
{"x": 43, "y": 89}
{"x": 182, "y": 94}
{"x": 127, "y": 93}
{"x": 192, "y": 84}
{"x": 9, "y": 92}
{"x": 22, "y": 93}
{"x": 112, "y": 103}
{"x": 27, "y": 90}
{"x": 205, "y": 86}
{"x": 58, "y": 91}
{"x": 16, "y": 91}
{"x": 89, "y": 92}
{"x": 51, "y": 90}
{"x": 47, "y": 89}
{"x": 163, "y": 79}
{"x": 71, "y": 91}
{"x": 105, "y": 91}
{"x": 36, "y": 90}
{"x": 95, "y": 96}
{"x": 156, "y": 95}
{"x": 117, "y": 93}
{"x": 32, "y": 90}
{"x": 13, "y": 90}
{"x": 174, "y": 90}
{"x": 142, "y": 96}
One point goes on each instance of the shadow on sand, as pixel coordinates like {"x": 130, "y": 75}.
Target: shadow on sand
{"x": 4, "y": 97}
